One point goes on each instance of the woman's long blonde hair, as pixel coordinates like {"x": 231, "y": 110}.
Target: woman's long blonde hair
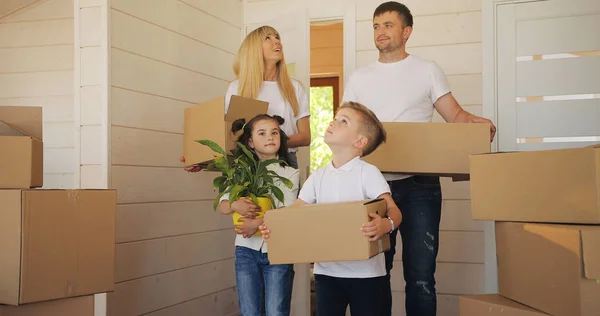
{"x": 249, "y": 68}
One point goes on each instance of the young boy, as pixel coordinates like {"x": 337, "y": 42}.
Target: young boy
{"x": 355, "y": 132}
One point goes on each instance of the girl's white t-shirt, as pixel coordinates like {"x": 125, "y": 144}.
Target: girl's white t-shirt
{"x": 270, "y": 93}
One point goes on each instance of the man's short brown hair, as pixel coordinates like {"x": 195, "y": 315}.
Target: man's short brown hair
{"x": 371, "y": 127}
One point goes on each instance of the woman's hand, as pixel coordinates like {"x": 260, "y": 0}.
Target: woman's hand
{"x": 192, "y": 168}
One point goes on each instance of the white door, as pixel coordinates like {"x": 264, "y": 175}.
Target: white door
{"x": 292, "y": 22}
{"x": 548, "y": 74}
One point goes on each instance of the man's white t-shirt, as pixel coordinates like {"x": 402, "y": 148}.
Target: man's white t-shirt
{"x": 354, "y": 181}
{"x": 403, "y": 91}
{"x": 257, "y": 242}
{"x": 269, "y": 92}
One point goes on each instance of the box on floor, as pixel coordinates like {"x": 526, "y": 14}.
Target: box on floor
{"x": 493, "y": 305}
{"x": 554, "y": 268}
{"x": 551, "y": 186}
{"x": 22, "y": 154}
{"x": 56, "y": 244}
{"x": 77, "y": 306}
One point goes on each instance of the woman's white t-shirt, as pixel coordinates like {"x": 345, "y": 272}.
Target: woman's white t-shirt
{"x": 269, "y": 92}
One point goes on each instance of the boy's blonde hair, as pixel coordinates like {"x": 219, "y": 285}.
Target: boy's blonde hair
{"x": 249, "y": 68}
{"x": 371, "y": 127}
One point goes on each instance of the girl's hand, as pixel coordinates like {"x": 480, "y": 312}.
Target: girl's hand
{"x": 193, "y": 168}
{"x": 247, "y": 228}
{"x": 245, "y": 207}
{"x": 376, "y": 228}
{"x": 265, "y": 232}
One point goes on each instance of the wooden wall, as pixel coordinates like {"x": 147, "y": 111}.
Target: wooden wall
{"x": 174, "y": 254}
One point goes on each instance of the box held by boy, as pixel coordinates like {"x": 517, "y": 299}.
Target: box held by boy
{"x": 549, "y": 186}
{"x": 323, "y": 232}
{"x": 440, "y": 149}
{"x": 56, "y": 244}
{"x": 22, "y": 154}
{"x": 493, "y": 305}
{"x": 554, "y": 268}
{"x": 209, "y": 121}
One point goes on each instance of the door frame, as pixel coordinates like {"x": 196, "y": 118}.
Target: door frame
{"x": 490, "y": 110}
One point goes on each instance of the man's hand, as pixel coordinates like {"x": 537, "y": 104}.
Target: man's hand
{"x": 452, "y": 112}
{"x": 376, "y": 228}
{"x": 477, "y": 119}
{"x": 192, "y": 168}
{"x": 245, "y": 207}
{"x": 248, "y": 227}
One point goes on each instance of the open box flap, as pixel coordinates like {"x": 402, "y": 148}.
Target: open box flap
{"x": 247, "y": 108}
{"x": 27, "y": 119}
{"x": 10, "y": 130}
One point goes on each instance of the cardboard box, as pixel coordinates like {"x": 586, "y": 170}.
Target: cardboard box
{"x": 208, "y": 121}
{"x": 78, "y": 306}
{"x": 493, "y": 305}
{"x": 22, "y": 154}
{"x": 56, "y": 244}
{"x": 323, "y": 232}
{"x": 551, "y": 186}
{"x": 441, "y": 149}
{"x": 551, "y": 267}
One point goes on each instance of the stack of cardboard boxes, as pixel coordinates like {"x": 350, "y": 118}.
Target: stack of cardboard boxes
{"x": 546, "y": 208}
{"x": 57, "y": 247}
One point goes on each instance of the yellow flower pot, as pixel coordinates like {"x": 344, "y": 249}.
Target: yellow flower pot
{"x": 263, "y": 203}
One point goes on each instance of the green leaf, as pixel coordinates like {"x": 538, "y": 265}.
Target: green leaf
{"x": 247, "y": 152}
{"x": 278, "y": 194}
{"x": 216, "y": 202}
{"x": 222, "y": 163}
{"x": 213, "y": 146}
{"x": 219, "y": 182}
{"x": 235, "y": 192}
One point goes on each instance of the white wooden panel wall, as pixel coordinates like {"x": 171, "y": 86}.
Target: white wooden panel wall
{"x": 36, "y": 69}
{"x": 174, "y": 253}
{"x": 448, "y": 32}
{"x": 91, "y": 91}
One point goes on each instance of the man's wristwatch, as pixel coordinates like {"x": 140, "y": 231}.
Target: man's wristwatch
{"x": 393, "y": 226}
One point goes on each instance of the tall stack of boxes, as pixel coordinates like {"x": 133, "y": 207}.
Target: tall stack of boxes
{"x": 546, "y": 209}
{"x": 57, "y": 246}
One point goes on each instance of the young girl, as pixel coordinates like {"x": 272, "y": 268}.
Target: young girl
{"x": 257, "y": 280}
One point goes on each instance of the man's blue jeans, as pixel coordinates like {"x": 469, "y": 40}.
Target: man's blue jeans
{"x": 420, "y": 201}
{"x": 259, "y": 282}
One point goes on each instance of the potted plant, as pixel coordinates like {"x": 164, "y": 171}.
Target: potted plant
{"x": 243, "y": 175}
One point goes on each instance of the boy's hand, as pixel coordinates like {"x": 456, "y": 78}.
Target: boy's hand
{"x": 245, "y": 207}
{"x": 247, "y": 228}
{"x": 193, "y": 168}
{"x": 376, "y": 228}
{"x": 265, "y": 232}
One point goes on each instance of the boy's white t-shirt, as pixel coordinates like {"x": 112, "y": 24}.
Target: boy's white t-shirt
{"x": 269, "y": 92}
{"x": 289, "y": 197}
{"x": 403, "y": 91}
{"x": 354, "y": 181}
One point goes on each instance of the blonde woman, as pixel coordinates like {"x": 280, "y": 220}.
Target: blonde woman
{"x": 262, "y": 74}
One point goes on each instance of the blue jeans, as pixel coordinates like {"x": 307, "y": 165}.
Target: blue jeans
{"x": 420, "y": 201}
{"x": 262, "y": 287}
